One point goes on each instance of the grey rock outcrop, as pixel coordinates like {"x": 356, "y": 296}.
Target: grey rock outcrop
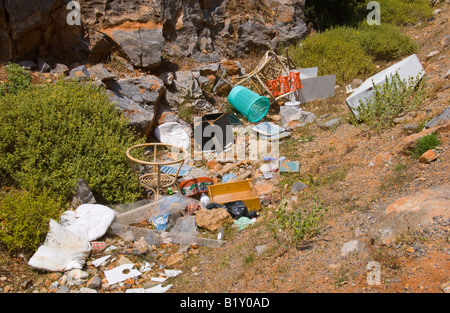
{"x": 138, "y": 99}
{"x": 39, "y": 30}
{"x": 143, "y": 31}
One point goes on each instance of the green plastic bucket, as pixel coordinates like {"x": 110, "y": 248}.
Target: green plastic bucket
{"x": 253, "y": 106}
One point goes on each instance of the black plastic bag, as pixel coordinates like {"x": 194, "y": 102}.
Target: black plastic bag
{"x": 237, "y": 209}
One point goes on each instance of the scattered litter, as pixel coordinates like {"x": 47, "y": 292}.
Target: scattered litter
{"x": 98, "y": 246}
{"x": 268, "y": 128}
{"x": 349, "y": 89}
{"x": 172, "y": 273}
{"x": 314, "y": 87}
{"x": 290, "y": 166}
{"x": 235, "y": 191}
{"x": 146, "y": 267}
{"x": 158, "y": 279}
{"x": 161, "y": 206}
{"x": 132, "y": 233}
{"x": 204, "y": 200}
{"x": 195, "y": 186}
{"x": 160, "y": 221}
{"x": 121, "y": 273}
{"x": 253, "y": 106}
{"x": 61, "y": 251}
{"x": 213, "y": 132}
{"x": 100, "y": 261}
{"x": 270, "y": 131}
{"x": 191, "y": 208}
{"x": 157, "y": 289}
{"x": 227, "y": 177}
{"x": 295, "y": 104}
{"x": 172, "y": 169}
{"x": 409, "y": 67}
{"x": 275, "y": 137}
{"x": 220, "y": 233}
{"x": 236, "y": 209}
{"x": 243, "y": 222}
{"x": 267, "y": 175}
{"x": 110, "y": 248}
{"x": 284, "y": 84}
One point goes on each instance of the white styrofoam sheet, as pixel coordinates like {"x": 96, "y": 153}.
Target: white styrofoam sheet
{"x": 406, "y": 68}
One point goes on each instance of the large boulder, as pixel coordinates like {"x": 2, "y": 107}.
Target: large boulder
{"x": 186, "y": 85}
{"x": 141, "y": 43}
{"x": 138, "y": 99}
{"x": 410, "y": 213}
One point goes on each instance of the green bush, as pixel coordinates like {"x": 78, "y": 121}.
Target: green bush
{"x": 384, "y": 42}
{"x": 333, "y": 54}
{"x": 18, "y": 79}
{"x": 24, "y": 218}
{"x": 424, "y": 144}
{"x": 350, "y": 52}
{"x": 54, "y": 134}
{"x": 403, "y": 12}
{"x": 389, "y": 99}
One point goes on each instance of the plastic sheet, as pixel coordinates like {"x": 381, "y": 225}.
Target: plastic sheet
{"x": 161, "y": 206}
{"x": 184, "y": 230}
{"x": 155, "y": 237}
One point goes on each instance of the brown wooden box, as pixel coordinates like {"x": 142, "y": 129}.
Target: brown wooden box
{"x": 229, "y": 192}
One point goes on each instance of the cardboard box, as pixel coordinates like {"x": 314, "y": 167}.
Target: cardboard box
{"x": 229, "y": 192}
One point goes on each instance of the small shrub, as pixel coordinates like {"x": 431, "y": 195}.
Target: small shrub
{"x": 24, "y": 218}
{"x": 332, "y": 53}
{"x": 384, "y": 42}
{"x": 298, "y": 225}
{"x": 389, "y": 99}
{"x": 403, "y": 12}
{"x": 424, "y": 144}
{"x": 19, "y": 79}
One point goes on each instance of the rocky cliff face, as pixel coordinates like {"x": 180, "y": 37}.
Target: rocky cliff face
{"x": 31, "y": 29}
{"x": 145, "y": 31}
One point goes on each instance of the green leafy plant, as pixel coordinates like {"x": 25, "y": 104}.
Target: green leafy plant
{"x": 384, "y": 42}
{"x": 389, "y": 99}
{"x": 54, "y": 134}
{"x": 297, "y": 225}
{"x": 333, "y": 54}
{"x": 403, "y": 12}
{"x": 19, "y": 79}
{"x": 424, "y": 144}
{"x": 24, "y": 218}
{"x": 350, "y": 52}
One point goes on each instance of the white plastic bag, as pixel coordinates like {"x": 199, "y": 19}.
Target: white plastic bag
{"x": 175, "y": 134}
{"x": 89, "y": 221}
{"x": 61, "y": 251}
